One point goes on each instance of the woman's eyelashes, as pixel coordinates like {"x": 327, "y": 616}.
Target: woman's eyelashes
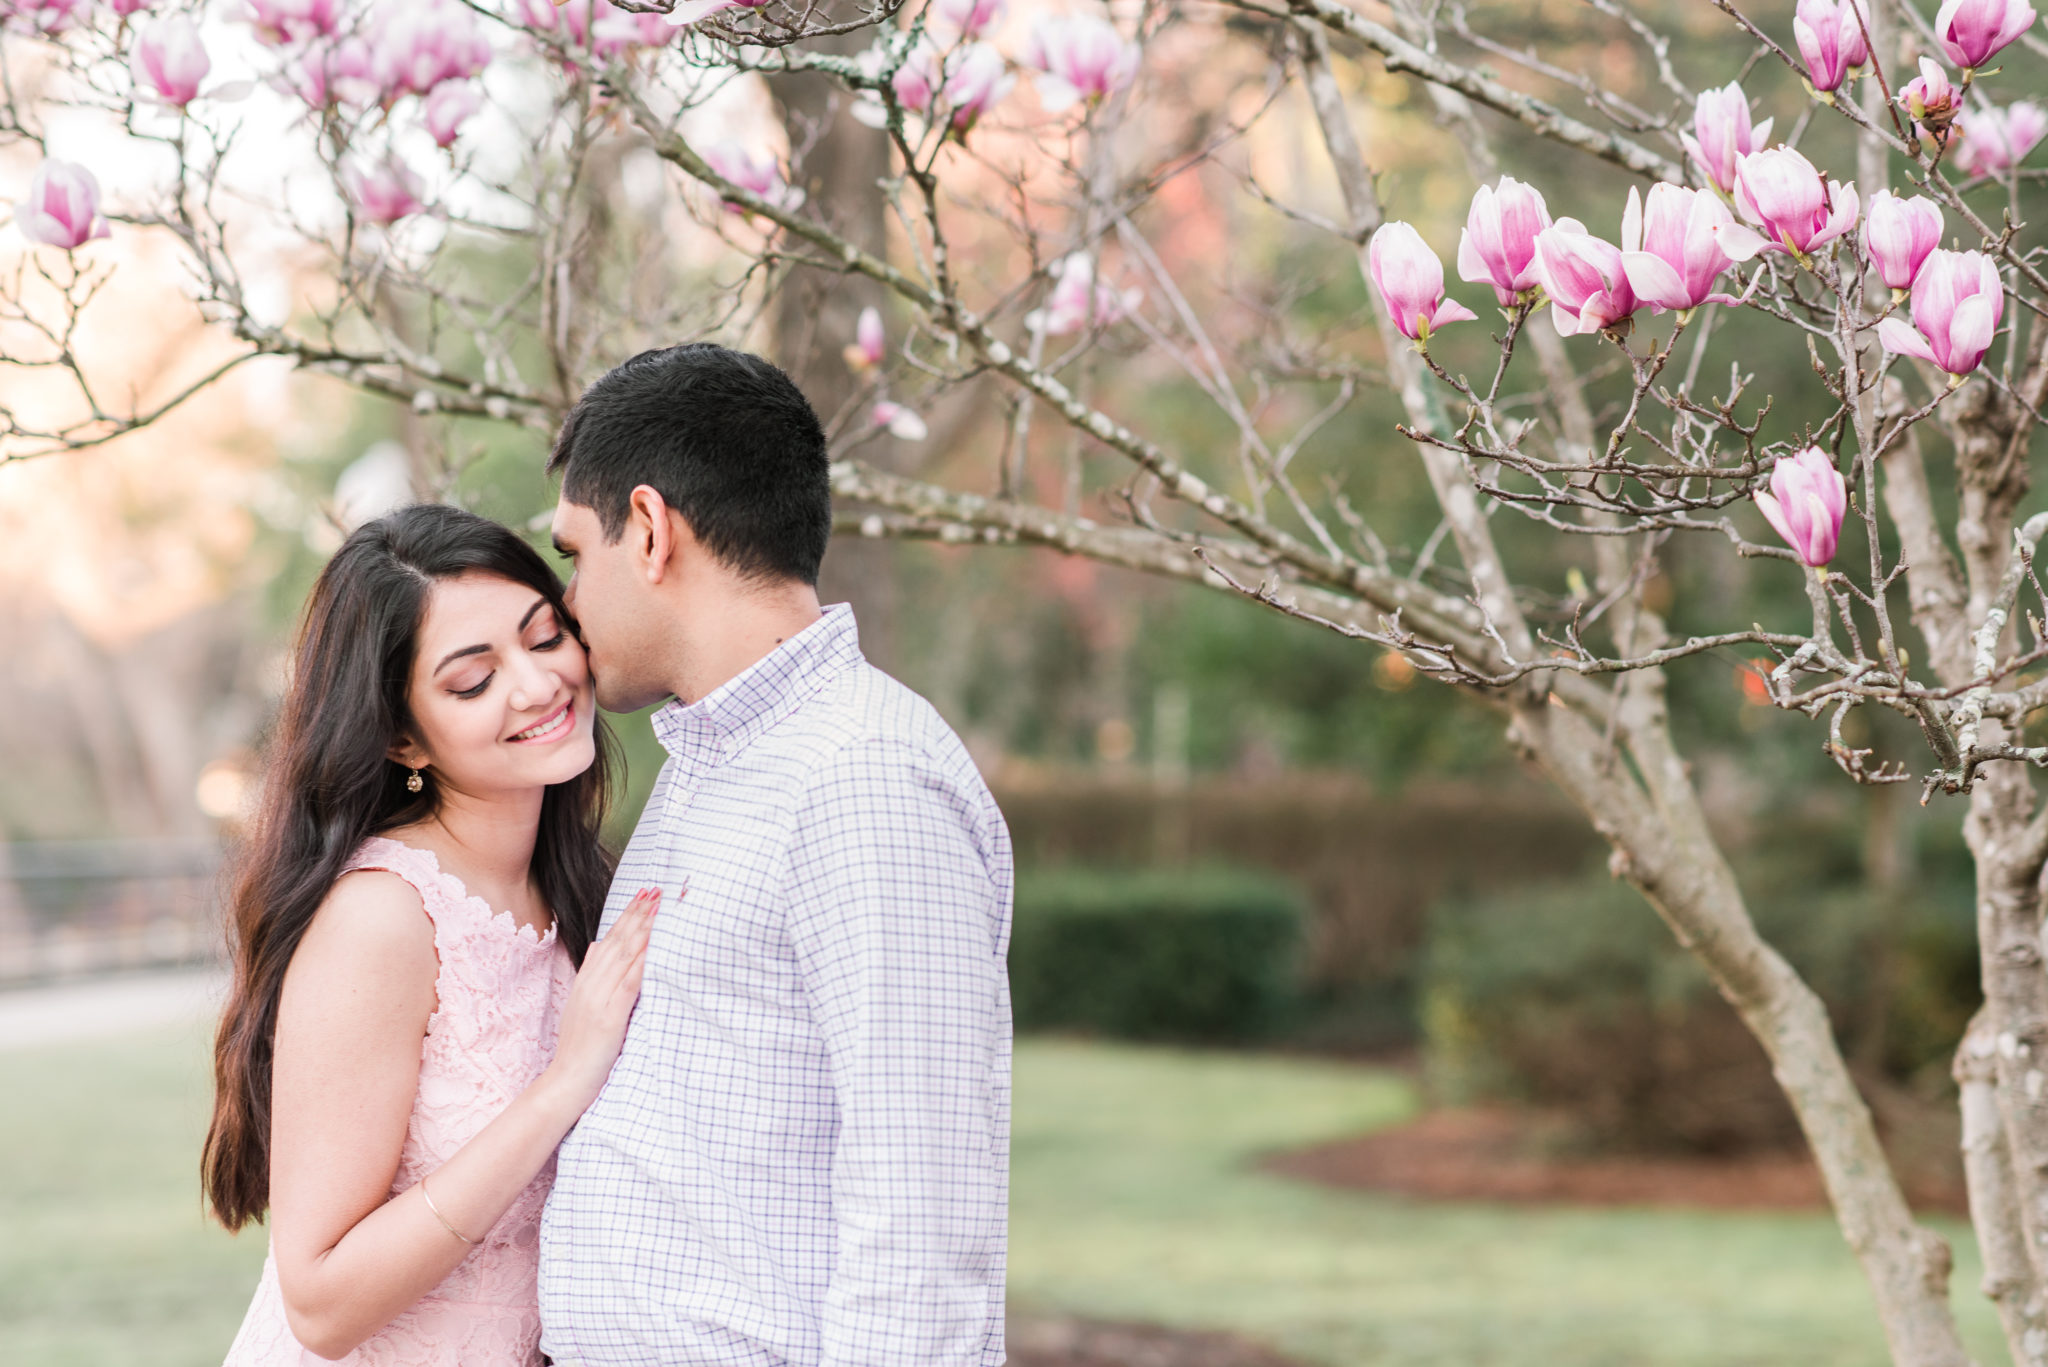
{"x": 477, "y": 690}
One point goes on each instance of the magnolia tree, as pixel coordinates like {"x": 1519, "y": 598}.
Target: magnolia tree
{"x": 488, "y": 203}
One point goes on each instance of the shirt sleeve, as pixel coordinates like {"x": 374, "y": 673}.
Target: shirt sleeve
{"x": 895, "y": 922}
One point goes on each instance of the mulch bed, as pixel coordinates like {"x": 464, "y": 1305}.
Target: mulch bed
{"x": 1497, "y": 1154}
{"x": 1038, "y": 1342}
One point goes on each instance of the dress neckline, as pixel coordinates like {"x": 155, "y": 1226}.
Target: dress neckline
{"x": 513, "y": 926}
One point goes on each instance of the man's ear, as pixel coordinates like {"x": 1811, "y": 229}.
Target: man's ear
{"x": 653, "y": 534}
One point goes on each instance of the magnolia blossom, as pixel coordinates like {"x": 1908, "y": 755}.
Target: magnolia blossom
{"x": 292, "y": 21}
{"x": 1929, "y": 97}
{"x": 600, "y": 27}
{"x": 384, "y": 191}
{"x": 1588, "y": 286}
{"x": 1677, "y": 245}
{"x": 48, "y": 17}
{"x": 1972, "y": 32}
{"x": 903, "y": 423}
{"x": 169, "y": 59}
{"x": 965, "y": 18}
{"x": 870, "y": 344}
{"x": 1498, "y": 245}
{"x": 759, "y": 175}
{"x": 417, "y": 44}
{"x": 1782, "y": 192}
{"x": 1410, "y": 280}
{"x": 448, "y": 108}
{"x": 1990, "y": 142}
{"x": 1083, "y": 58}
{"x": 124, "y": 8}
{"x": 62, "y": 208}
{"x": 919, "y": 78}
{"x": 1078, "y": 302}
{"x": 1805, "y": 505}
{"x": 1830, "y": 38}
{"x": 1722, "y": 132}
{"x": 977, "y": 79}
{"x": 335, "y": 73}
{"x": 1957, "y": 302}
{"x": 1898, "y": 234}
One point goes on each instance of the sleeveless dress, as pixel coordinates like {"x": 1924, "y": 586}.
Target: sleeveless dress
{"x": 500, "y": 991}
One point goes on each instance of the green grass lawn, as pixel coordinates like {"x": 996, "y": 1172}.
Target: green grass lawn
{"x": 1133, "y": 1198}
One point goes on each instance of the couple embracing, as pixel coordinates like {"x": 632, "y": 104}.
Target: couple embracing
{"x": 743, "y": 1101}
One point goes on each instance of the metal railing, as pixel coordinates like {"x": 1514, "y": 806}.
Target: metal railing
{"x": 78, "y": 907}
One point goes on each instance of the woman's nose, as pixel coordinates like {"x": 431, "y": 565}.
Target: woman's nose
{"x": 533, "y": 683}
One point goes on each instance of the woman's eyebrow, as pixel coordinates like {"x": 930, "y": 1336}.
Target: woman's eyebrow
{"x": 452, "y": 656}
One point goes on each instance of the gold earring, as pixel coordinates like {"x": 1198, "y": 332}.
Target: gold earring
{"x": 415, "y": 782}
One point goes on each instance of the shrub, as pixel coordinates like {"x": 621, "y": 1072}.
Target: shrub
{"x": 1205, "y": 956}
{"x": 1574, "y": 995}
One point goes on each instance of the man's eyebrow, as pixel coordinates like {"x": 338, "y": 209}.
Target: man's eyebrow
{"x": 452, "y": 656}
{"x": 561, "y": 547}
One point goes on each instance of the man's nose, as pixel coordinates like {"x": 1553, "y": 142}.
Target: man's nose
{"x": 569, "y": 593}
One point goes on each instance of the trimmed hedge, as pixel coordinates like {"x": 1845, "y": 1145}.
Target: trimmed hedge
{"x": 1207, "y": 956}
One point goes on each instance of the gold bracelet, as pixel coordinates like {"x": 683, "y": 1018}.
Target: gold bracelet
{"x": 442, "y": 1218}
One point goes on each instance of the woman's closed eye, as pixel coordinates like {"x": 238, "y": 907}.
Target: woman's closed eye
{"x": 476, "y": 690}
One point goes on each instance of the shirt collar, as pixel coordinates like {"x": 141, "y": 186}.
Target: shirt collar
{"x": 763, "y": 693}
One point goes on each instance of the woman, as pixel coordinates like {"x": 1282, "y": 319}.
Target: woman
{"x": 403, "y": 1047}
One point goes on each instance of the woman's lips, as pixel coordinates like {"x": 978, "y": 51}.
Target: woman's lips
{"x": 553, "y": 727}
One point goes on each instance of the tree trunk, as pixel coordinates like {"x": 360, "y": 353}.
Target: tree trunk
{"x": 838, "y": 162}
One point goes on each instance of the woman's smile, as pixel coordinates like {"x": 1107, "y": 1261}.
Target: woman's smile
{"x": 553, "y": 727}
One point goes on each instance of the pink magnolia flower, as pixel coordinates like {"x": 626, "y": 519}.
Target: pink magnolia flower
{"x": 448, "y": 108}
{"x": 47, "y": 17}
{"x": 168, "y": 58}
{"x": 977, "y": 79}
{"x": 1588, "y": 286}
{"x": 964, "y": 19}
{"x": 385, "y": 191}
{"x": 335, "y": 73}
{"x": 1990, "y": 142}
{"x": 1898, "y": 234}
{"x": 760, "y": 175}
{"x": 1929, "y": 97}
{"x": 1957, "y": 302}
{"x": 1805, "y": 505}
{"x": 1781, "y": 191}
{"x": 1410, "y": 280}
{"x": 62, "y": 208}
{"x": 919, "y": 78}
{"x": 124, "y": 8}
{"x": 1677, "y": 245}
{"x": 1722, "y": 132}
{"x": 292, "y": 21}
{"x": 870, "y": 345}
{"x": 1498, "y": 245}
{"x": 1830, "y": 38}
{"x": 1083, "y": 58}
{"x": 1077, "y": 301}
{"x": 417, "y": 44}
{"x": 903, "y": 423}
{"x": 1972, "y": 32}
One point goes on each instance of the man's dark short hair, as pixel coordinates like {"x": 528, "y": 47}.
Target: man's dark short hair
{"x": 728, "y": 441}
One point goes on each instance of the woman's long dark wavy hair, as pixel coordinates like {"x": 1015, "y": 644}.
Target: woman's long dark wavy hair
{"x": 330, "y": 785}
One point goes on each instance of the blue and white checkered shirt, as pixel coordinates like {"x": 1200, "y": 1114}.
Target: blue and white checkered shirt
{"x": 802, "y": 1156}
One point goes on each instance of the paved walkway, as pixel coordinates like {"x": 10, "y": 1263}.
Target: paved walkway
{"x": 35, "y": 1016}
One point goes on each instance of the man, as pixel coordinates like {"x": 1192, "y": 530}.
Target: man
{"x": 802, "y": 1155}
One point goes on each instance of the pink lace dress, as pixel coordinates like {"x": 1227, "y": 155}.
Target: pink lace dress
{"x": 500, "y": 991}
